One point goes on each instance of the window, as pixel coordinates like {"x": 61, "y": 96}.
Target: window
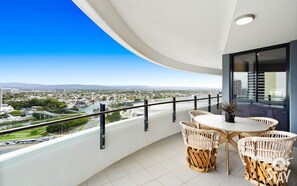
{"x": 244, "y": 77}
{"x": 272, "y": 75}
{"x": 260, "y": 76}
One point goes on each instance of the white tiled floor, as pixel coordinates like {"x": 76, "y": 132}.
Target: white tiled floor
{"x": 163, "y": 163}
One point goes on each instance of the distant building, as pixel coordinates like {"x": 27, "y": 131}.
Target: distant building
{"x": 1, "y": 97}
{"x": 261, "y": 85}
{"x": 6, "y": 91}
{"x": 237, "y": 88}
{"x": 6, "y": 108}
{"x": 251, "y": 91}
{"x": 14, "y": 91}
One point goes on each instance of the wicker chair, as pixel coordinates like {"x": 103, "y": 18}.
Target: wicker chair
{"x": 266, "y": 158}
{"x": 272, "y": 123}
{"x": 194, "y": 113}
{"x": 201, "y": 147}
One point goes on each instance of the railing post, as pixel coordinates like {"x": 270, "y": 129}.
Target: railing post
{"x": 145, "y": 115}
{"x": 195, "y": 102}
{"x": 102, "y": 127}
{"x": 174, "y": 109}
{"x": 218, "y": 100}
{"x": 209, "y": 103}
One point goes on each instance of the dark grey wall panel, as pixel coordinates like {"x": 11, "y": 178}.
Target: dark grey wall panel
{"x": 226, "y": 78}
{"x": 293, "y": 87}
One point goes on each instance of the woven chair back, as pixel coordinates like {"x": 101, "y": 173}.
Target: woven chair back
{"x": 272, "y": 123}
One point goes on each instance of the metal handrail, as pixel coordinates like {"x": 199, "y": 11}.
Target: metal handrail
{"x": 48, "y": 123}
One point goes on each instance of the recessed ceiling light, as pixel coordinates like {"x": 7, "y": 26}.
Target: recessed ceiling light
{"x": 245, "y": 19}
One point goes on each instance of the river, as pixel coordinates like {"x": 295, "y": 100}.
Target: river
{"x": 89, "y": 109}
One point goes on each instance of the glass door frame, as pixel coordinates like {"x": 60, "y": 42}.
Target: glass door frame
{"x": 255, "y": 51}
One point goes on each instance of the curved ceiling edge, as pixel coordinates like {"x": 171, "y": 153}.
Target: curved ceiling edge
{"x": 120, "y": 32}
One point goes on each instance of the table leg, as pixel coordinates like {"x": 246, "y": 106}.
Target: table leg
{"x": 233, "y": 143}
{"x": 227, "y": 152}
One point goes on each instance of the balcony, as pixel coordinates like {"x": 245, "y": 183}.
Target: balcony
{"x": 163, "y": 163}
{"x": 192, "y": 37}
{"x": 131, "y": 157}
{"x": 77, "y": 157}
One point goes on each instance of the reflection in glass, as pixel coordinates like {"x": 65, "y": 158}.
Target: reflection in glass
{"x": 244, "y": 77}
{"x": 272, "y": 75}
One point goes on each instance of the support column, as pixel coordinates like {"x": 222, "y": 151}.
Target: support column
{"x": 292, "y": 87}
{"x": 226, "y": 94}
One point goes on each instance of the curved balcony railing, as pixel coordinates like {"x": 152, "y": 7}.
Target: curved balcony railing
{"x": 78, "y": 156}
{"x": 103, "y": 112}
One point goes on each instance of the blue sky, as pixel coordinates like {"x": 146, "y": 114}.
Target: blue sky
{"x": 53, "y": 42}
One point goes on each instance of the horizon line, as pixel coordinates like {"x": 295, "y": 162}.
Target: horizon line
{"x": 139, "y": 85}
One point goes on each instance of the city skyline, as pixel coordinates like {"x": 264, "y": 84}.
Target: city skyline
{"x": 49, "y": 46}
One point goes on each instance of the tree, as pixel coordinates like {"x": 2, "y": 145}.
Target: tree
{"x": 47, "y": 104}
{"x": 115, "y": 116}
{"x": 33, "y": 132}
{"x": 38, "y": 116}
{"x": 75, "y": 108}
{"x": 17, "y": 104}
{"x": 66, "y": 125}
{"x": 96, "y": 109}
{"x": 17, "y": 113}
{"x": 3, "y": 115}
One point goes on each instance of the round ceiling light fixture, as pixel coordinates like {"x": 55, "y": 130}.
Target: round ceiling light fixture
{"x": 245, "y": 19}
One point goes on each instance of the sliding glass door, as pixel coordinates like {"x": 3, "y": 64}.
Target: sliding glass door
{"x": 260, "y": 76}
{"x": 259, "y": 83}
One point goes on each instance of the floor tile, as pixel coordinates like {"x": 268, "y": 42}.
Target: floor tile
{"x": 235, "y": 164}
{"x": 208, "y": 178}
{"x": 132, "y": 167}
{"x": 115, "y": 172}
{"x": 157, "y": 170}
{"x": 83, "y": 184}
{"x": 141, "y": 177}
{"x": 169, "y": 180}
{"x": 98, "y": 179}
{"x": 152, "y": 183}
{"x": 107, "y": 184}
{"x": 147, "y": 162}
{"x": 236, "y": 179}
{"x": 124, "y": 181}
{"x": 170, "y": 164}
{"x": 163, "y": 163}
{"x": 184, "y": 173}
{"x": 127, "y": 160}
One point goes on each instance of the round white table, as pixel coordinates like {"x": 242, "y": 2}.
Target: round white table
{"x": 241, "y": 125}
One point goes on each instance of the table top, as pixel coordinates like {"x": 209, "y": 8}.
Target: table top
{"x": 240, "y": 125}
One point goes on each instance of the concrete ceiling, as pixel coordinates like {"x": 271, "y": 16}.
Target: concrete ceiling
{"x": 193, "y": 35}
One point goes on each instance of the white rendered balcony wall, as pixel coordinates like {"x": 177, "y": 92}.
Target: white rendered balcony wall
{"x": 72, "y": 159}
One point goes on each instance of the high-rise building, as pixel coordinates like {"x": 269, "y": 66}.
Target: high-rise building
{"x": 261, "y": 85}
{"x": 252, "y": 85}
{"x": 237, "y": 88}
{"x": 251, "y": 91}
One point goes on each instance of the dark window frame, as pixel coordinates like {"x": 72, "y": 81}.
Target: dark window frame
{"x": 255, "y": 51}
